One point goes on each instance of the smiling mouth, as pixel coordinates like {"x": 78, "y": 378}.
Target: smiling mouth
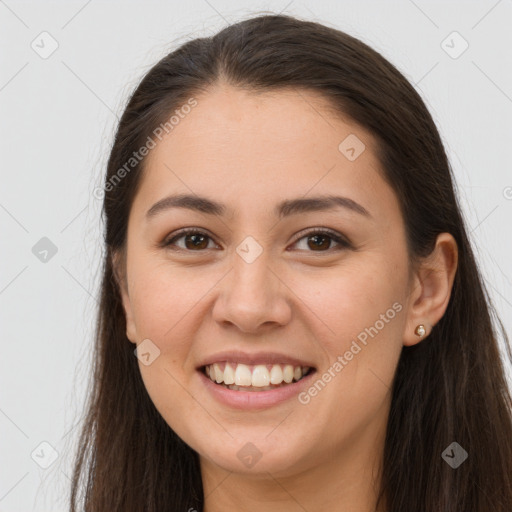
{"x": 242, "y": 377}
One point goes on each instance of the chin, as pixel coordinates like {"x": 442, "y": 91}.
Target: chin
{"x": 254, "y": 455}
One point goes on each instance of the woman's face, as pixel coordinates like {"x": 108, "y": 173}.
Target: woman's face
{"x": 261, "y": 284}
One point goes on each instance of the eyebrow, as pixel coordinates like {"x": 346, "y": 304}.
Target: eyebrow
{"x": 284, "y": 209}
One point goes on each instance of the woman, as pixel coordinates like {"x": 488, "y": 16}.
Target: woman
{"x": 287, "y": 260}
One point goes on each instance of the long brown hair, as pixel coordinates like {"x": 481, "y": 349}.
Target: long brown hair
{"x": 449, "y": 388}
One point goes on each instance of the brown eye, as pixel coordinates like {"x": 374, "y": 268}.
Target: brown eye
{"x": 194, "y": 240}
{"x": 320, "y": 241}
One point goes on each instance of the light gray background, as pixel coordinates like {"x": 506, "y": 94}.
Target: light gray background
{"x": 57, "y": 120}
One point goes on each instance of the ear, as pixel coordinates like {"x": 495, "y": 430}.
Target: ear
{"x": 119, "y": 270}
{"x": 431, "y": 288}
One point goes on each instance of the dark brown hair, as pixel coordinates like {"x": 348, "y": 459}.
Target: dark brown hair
{"x": 450, "y": 387}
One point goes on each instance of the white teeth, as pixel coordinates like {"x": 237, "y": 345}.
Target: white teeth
{"x": 243, "y": 375}
{"x": 229, "y": 374}
{"x": 218, "y": 373}
{"x": 260, "y": 376}
{"x": 238, "y": 376}
{"x": 276, "y": 374}
{"x": 288, "y": 373}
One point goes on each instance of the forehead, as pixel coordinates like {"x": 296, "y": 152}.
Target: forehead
{"x": 263, "y": 123}
{"x": 253, "y": 147}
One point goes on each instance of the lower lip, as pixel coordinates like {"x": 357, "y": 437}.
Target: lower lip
{"x": 255, "y": 399}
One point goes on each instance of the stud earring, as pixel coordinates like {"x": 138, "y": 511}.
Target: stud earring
{"x": 420, "y": 331}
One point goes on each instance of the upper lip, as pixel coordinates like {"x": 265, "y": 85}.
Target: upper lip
{"x": 237, "y": 356}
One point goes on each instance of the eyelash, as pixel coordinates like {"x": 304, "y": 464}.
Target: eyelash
{"x": 342, "y": 242}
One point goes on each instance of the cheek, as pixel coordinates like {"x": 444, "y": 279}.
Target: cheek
{"x": 165, "y": 302}
{"x": 362, "y": 315}
{"x": 168, "y": 306}
{"x": 162, "y": 297}
{"x": 354, "y": 298}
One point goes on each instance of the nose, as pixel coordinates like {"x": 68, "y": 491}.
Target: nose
{"x": 252, "y": 297}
